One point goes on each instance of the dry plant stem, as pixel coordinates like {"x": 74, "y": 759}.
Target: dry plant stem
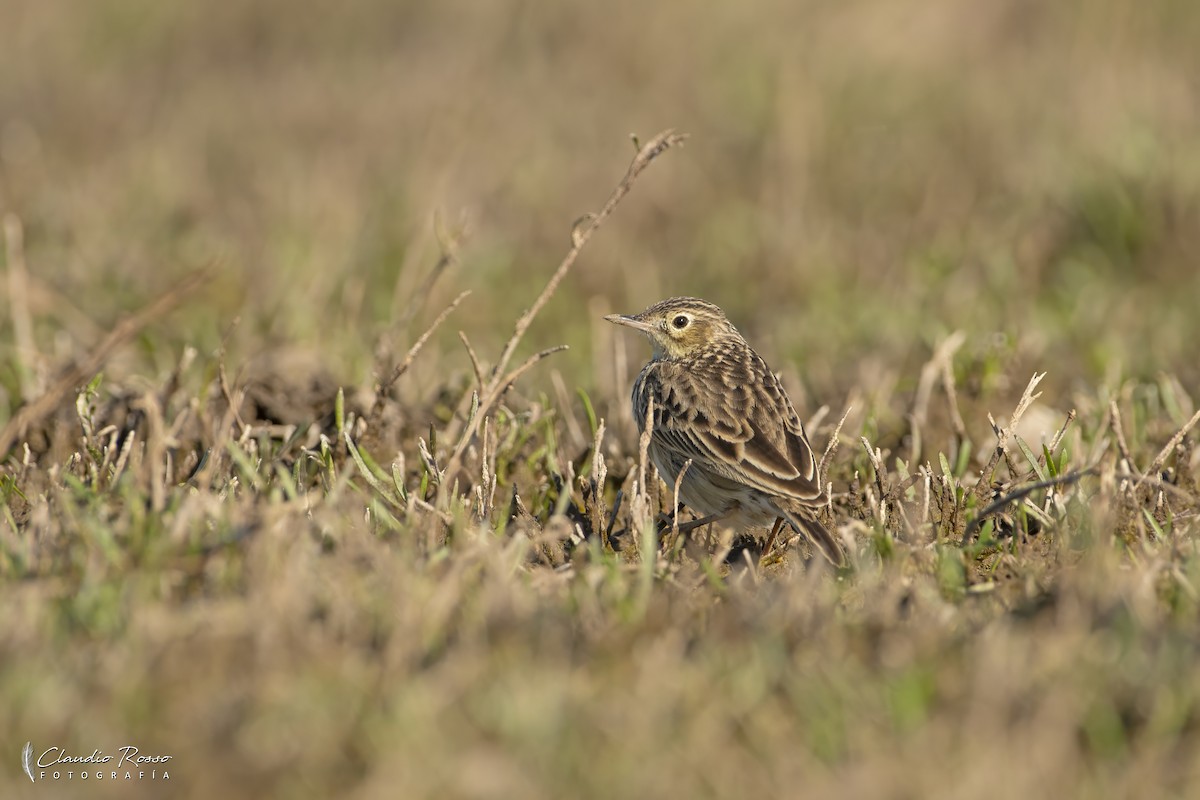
{"x": 876, "y": 456}
{"x": 960, "y": 428}
{"x": 914, "y": 451}
{"x": 498, "y": 381}
{"x": 1165, "y": 453}
{"x": 449, "y": 243}
{"x": 1119, "y": 430}
{"x": 526, "y": 365}
{"x": 831, "y": 448}
{"x": 928, "y": 480}
{"x": 582, "y": 233}
{"x": 75, "y": 375}
{"x": 642, "y": 496}
{"x": 403, "y": 366}
{"x": 639, "y": 506}
{"x": 18, "y": 298}
{"x": 938, "y": 365}
{"x": 122, "y": 459}
{"x": 1058, "y": 437}
{"x": 216, "y": 453}
{"x": 575, "y": 433}
{"x": 675, "y": 507}
{"x": 156, "y": 450}
{"x": 1004, "y": 433}
{"x": 475, "y": 365}
{"x": 1156, "y": 483}
{"x": 599, "y": 473}
{"x": 1024, "y": 491}
{"x": 227, "y": 393}
{"x": 427, "y": 507}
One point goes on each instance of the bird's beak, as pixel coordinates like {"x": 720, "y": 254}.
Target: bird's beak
{"x": 631, "y": 322}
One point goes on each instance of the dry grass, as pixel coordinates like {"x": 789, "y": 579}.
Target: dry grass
{"x": 327, "y": 525}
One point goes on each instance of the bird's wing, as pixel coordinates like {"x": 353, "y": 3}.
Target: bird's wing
{"x": 746, "y": 431}
{"x": 818, "y": 534}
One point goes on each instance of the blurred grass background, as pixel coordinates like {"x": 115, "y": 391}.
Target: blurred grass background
{"x": 862, "y": 179}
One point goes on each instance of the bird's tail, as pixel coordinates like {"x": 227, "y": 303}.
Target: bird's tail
{"x": 818, "y": 534}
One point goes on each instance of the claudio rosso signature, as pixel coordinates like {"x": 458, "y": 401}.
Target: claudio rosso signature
{"x": 129, "y": 763}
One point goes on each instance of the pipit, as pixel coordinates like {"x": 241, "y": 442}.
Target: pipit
{"x": 718, "y": 405}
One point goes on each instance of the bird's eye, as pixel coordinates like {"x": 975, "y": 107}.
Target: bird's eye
{"x": 680, "y": 322}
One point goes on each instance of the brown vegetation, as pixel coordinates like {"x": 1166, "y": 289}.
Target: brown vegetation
{"x": 286, "y": 495}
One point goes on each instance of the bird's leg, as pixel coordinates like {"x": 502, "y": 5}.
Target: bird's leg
{"x": 666, "y": 520}
{"x": 675, "y": 529}
{"x": 699, "y": 523}
{"x": 771, "y": 539}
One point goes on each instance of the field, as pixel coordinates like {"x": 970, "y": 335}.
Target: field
{"x": 300, "y": 487}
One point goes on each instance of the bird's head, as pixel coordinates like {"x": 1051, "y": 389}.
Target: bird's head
{"x": 679, "y": 327}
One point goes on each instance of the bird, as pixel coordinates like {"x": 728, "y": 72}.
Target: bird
{"x": 717, "y": 405}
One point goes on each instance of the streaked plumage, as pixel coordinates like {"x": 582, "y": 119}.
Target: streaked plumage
{"x": 717, "y": 403}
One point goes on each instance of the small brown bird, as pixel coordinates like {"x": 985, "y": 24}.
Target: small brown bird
{"x": 718, "y": 404}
